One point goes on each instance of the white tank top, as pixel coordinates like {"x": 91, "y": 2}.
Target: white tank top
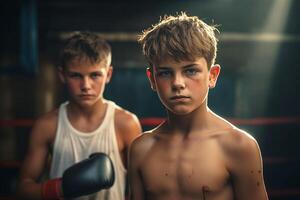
{"x": 72, "y": 146}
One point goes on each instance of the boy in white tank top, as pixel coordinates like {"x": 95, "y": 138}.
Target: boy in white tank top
{"x": 86, "y": 124}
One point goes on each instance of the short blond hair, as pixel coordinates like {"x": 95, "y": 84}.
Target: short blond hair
{"x": 85, "y": 46}
{"x": 179, "y": 38}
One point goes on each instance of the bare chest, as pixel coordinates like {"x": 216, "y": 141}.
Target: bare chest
{"x": 189, "y": 169}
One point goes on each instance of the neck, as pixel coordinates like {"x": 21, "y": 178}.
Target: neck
{"x": 197, "y": 120}
{"x": 87, "y": 111}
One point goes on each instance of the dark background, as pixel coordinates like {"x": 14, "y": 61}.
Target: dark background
{"x": 259, "y": 45}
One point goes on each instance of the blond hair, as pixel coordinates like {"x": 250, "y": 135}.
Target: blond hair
{"x": 85, "y": 46}
{"x": 179, "y": 38}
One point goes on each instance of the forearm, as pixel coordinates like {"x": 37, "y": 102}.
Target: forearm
{"x": 83, "y": 178}
{"x": 29, "y": 189}
{"x": 50, "y": 189}
{"x": 136, "y": 191}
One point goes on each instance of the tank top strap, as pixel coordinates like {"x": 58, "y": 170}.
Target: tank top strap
{"x": 62, "y": 119}
{"x": 108, "y": 117}
{"x": 63, "y": 112}
{"x": 110, "y": 112}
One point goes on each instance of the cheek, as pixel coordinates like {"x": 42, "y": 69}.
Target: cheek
{"x": 73, "y": 85}
{"x": 162, "y": 86}
{"x": 198, "y": 85}
{"x": 202, "y": 81}
{"x": 99, "y": 85}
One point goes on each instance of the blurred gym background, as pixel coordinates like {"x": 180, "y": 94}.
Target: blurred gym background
{"x": 258, "y": 90}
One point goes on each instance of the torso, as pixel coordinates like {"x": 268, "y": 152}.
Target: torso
{"x": 127, "y": 128}
{"x": 88, "y": 126}
{"x": 74, "y": 142}
{"x": 185, "y": 168}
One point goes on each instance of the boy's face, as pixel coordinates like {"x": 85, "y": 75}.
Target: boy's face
{"x": 183, "y": 86}
{"x": 86, "y": 82}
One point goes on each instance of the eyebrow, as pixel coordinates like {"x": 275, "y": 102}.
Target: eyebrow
{"x": 190, "y": 65}
{"x": 184, "y": 67}
{"x": 72, "y": 72}
{"x": 97, "y": 71}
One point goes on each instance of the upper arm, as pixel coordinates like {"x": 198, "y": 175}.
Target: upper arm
{"x": 246, "y": 169}
{"x": 36, "y": 157}
{"x": 131, "y": 128}
{"x": 136, "y": 191}
{"x": 128, "y": 128}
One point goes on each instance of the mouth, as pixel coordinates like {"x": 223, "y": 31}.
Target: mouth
{"x": 86, "y": 96}
{"x": 179, "y": 97}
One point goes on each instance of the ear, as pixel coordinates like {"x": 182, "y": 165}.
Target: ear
{"x": 150, "y": 78}
{"x": 109, "y": 73}
{"x": 213, "y": 75}
{"x": 61, "y": 74}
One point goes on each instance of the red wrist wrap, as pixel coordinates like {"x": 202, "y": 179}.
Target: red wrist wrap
{"x": 51, "y": 190}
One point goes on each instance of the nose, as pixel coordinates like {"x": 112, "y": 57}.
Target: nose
{"x": 86, "y": 83}
{"x": 178, "y": 82}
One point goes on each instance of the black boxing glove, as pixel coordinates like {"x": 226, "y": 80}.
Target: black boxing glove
{"x": 88, "y": 176}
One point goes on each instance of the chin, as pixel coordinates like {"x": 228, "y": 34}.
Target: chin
{"x": 181, "y": 111}
{"x": 86, "y": 103}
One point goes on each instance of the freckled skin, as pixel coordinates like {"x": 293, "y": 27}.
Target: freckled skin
{"x": 186, "y": 174}
{"x": 194, "y": 154}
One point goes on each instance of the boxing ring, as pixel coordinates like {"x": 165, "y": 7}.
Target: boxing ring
{"x": 9, "y": 169}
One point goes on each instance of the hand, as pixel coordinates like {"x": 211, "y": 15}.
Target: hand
{"x": 83, "y": 178}
{"x": 88, "y": 176}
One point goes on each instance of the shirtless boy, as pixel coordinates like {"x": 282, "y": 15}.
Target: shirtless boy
{"x": 194, "y": 153}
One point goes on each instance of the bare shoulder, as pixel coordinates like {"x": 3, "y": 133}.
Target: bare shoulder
{"x": 125, "y": 119}
{"x": 127, "y": 125}
{"x": 238, "y": 141}
{"x": 48, "y": 118}
{"x": 233, "y": 140}
{"x": 243, "y": 161}
{"x": 142, "y": 144}
{"x": 45, "y": 126}
{"x": 144, "y": 140}
{"x": 240, "y": 147}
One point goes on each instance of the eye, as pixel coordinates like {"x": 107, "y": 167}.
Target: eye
{"x": 96, "y": 75}
{"x": 75, "y": 75}
{"x": 191, "y": 71}
{"x": 164, "y": 73}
